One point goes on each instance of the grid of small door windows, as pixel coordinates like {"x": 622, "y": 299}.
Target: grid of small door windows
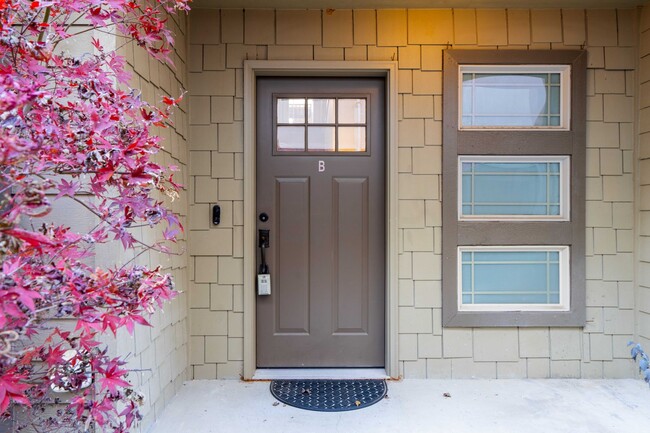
{"x": 321, "y": 125}
{"x": 513, "y": 188}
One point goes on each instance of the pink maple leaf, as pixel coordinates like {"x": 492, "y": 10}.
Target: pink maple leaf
{"x": 113, "y": 378}
{"x": 12, "y": 390}
{"x": 104, "y": 174}
{"x": 11, "y": 265}
{"x": 68, "y": 188}
{"x": 170, "y": 234}
{"x": 131, "y": 320}
{"x": 54, "y": 356}
{"x": 78, "y": 403}
{"x": 26, "y": 296}
{"x": 32, "y": 238}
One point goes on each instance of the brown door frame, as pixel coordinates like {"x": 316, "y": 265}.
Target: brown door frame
{"x": 255, "y": 68}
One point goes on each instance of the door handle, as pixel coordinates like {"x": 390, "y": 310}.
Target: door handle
{"x": 263, "y": 242}
{"x": 263, "y": 277}
{"x": 263, "y": 238}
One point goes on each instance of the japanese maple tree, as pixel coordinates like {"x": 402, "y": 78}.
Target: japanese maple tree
{"x": 71, "y": 130}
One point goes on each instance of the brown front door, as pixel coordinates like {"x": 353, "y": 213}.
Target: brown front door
{"x": 321, "y": 182}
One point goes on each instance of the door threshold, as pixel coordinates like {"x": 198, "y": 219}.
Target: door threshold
{"x": 319, "y": 373}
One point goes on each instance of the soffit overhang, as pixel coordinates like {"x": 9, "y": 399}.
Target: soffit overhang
{"x": 394, "y": 4}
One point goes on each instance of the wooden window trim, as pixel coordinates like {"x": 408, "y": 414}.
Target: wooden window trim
{"x": 503, "y": 233}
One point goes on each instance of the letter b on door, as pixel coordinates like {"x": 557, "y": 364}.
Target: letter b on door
{"x": 321, "y": 166}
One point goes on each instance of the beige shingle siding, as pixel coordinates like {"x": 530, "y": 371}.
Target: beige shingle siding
{"x": 415, "y": 39}
{"x": 643, "y": 229}
{"x": 160, "y": 354}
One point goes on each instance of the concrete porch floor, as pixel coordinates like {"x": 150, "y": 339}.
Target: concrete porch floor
{"x": 493, "y": 406}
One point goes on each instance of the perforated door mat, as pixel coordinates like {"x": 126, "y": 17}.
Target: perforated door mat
{"x": 329, "y": 395}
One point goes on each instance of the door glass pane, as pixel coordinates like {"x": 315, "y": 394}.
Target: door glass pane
{"x": 510, "y": 188}
{"x": 321, "y": 110}
{"x": 511, "y": 99}
{"x": 352, "y": 111}
{"x": 321, "y": 138}
{"x": 291, "y": 138}
{"x": 352, "y": 138}
{"x": 291, "y": 110}
{"x": 510, "y": 277}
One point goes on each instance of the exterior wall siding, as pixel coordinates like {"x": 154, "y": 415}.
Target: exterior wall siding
{"x": 643, "y": 182}
{"x": 160, "y": 354}
{"x": 220, "y": 41}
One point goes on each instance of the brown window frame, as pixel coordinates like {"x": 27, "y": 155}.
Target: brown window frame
{"x": 507, "y": 142}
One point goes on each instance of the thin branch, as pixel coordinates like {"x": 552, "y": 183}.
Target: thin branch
{"x": 45, "y": 20}
{"x": 26, "y": 26}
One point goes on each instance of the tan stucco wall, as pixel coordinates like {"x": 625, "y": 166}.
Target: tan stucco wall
{"x": 219, "y": 43}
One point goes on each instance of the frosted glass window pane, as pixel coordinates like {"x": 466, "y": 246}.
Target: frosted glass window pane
{"x": 508, "y": 99}
{"x": 510, "y": 188}
{"x": 291, "y": 110}
{"x": 291, "y": 138}
{"x": 352, "y": 111}
{"x": 321, "y": 110}
{"x": 352, "y": 139}
{"x": 321, "y": 138}
{"x": 510, "y": 277}
{"x": 468, "y": 103}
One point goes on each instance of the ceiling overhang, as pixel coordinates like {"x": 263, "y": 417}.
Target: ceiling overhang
{"x": 392, "y": 4}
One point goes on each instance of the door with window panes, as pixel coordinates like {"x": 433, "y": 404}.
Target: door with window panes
{"x": 320, "y": 182}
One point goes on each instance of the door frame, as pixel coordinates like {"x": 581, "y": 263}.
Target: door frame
{"x": 256, "y": 68}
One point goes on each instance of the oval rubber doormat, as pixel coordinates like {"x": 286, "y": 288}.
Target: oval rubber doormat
{"x": 329, "y": 395}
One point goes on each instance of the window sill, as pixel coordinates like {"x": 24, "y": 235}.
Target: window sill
{"x": 524, "y": 319}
